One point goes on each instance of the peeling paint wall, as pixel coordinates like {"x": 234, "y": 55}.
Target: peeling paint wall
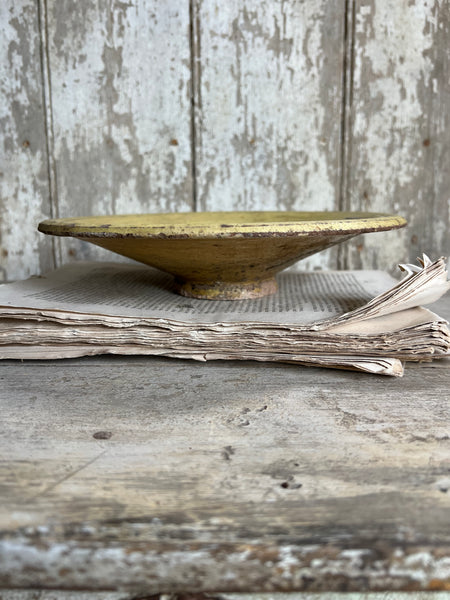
{"x": 399, "y": 132}
{"x": 151, "y": 106}
{"x": 24, "y": 188}
{"x": 120, "y": 95}
{"x": 268, "y": 101}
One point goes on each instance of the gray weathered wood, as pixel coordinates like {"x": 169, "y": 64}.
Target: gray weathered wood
{"x": 24, "y": 189}
{"x": 121, "y": 110}
{"x": 64, "y": 595}
{"x": 117, "y": 119}
{"x": 268, "y": 82}
{"x": 153, "y": 475}
{"x": 398, "y": 139}
{"x": 112, "y": 106}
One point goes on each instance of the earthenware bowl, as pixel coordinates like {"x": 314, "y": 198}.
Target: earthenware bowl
{"x": 221, "y": 255}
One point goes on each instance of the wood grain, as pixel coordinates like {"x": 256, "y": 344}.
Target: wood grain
{"x": 237, "y": 490}
{"x": 166, "y": 475}
{"x": 65, "y": 595}
{"x": 146, "y": 106}
{"x": 268, "y": 78}
{"x": 24, "y": 187}
{"x": 120, "y": 80}
{"x": 399, "y": 134}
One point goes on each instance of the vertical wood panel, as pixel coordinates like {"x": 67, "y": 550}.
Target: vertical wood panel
{"x": 24, "y": 191}
{"x": 268, "y": 88}
{"x": 399, "y": 142}
{"x": 120, "y": 95}
{"x": 268, "y": 82}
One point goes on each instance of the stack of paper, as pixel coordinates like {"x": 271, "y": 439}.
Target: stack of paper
{"x": 361, "y": 320}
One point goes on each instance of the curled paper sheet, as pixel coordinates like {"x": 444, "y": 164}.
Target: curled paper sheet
{"x": 422, "y": 285}
{"x": 410, "y": 269}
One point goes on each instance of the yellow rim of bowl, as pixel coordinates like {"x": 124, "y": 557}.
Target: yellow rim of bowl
{"x": 222, "y": 224}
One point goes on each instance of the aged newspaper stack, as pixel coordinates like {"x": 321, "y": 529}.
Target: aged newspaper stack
{"x": 363, "y": 320}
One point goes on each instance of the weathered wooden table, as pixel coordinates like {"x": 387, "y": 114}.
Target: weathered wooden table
{"x": 154, "y": 475}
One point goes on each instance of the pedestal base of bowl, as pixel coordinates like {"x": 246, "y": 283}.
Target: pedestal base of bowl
{"x": 225, "y": 290}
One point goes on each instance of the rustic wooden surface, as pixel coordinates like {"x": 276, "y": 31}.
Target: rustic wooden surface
{"x": 153, "y": 476}
{"x": 120, "y": 108}
{"x": 24, "y": 182}
{"x": 63, "y": 595}
{"x": 398, "y": 124}
{"x": 151, "y": 106}
{"x": 268, "y": 105}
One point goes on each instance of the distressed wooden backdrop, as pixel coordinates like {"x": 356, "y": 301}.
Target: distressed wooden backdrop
{"x": 113, "y": 106}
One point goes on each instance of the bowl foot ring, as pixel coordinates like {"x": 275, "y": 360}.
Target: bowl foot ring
{"x": 225, "y": 290}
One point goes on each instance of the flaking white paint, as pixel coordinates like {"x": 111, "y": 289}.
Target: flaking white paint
{"x": 267, "y": 124}
{"x": 23, "y": 160}
{"x": 121, "y": 109}
{"x": 392, "y": 83}
{"x": 113, "y": 100}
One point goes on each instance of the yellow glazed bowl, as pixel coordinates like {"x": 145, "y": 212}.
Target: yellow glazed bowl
{"x": 222, "y": 255}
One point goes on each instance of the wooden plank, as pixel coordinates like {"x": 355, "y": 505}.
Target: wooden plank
{"x": 268, "y": 83}
{"x": 24, "y": 186}
{"x": 64, "y": 595}
{"x": 153, "y": 475}
{"x": 67, "y": 595}
{"x": 273, "y": 482}
{"x": 120, "y": 82}
{"x": 399, "y": 135}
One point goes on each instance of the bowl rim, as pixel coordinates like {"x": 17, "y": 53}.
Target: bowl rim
{"x": 292, "y": 224}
